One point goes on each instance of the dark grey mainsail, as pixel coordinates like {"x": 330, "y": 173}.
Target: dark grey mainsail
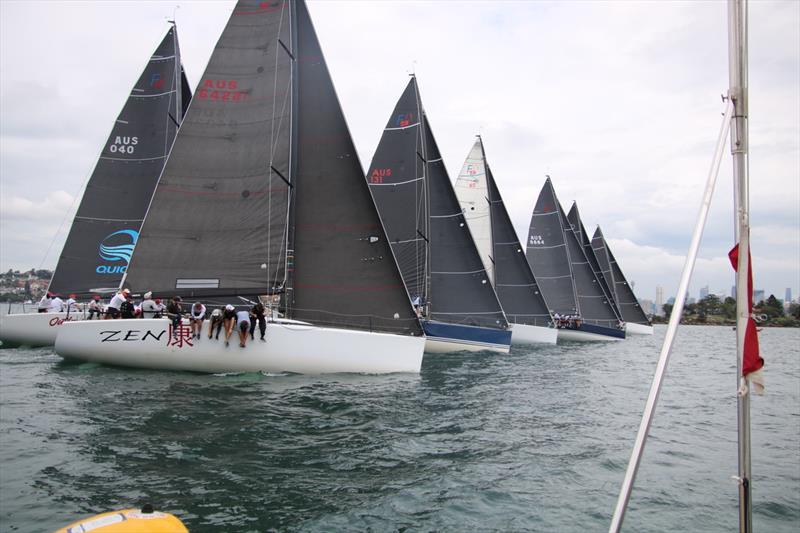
{"x": 263, "y": 191}
{"x": 576, "y": 224}
{"x": 106, "y": 225}
{"x": 560, "y": 265}
{"x": 626, "y": 300}
{"x": 515, "y": 283}
{"x": 426, "y": 226}
{"x": 344, "y": 272}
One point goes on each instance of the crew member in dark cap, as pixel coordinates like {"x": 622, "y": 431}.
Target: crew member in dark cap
{"x": 175, "y": 312}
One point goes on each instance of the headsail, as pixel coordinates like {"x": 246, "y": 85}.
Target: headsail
{"x": 345, "y": 273}
{"x": 107, "y": 223}
{"x": 626, "y": 300}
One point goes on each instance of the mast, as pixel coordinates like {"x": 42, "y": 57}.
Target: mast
{"x": 737, "y": 93}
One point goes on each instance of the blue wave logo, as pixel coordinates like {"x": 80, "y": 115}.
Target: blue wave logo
{"x": 119, "y": 249}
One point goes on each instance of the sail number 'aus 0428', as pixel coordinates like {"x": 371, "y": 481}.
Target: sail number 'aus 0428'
{"x": 123, "y": 145}
{"x": 222, "y": 90}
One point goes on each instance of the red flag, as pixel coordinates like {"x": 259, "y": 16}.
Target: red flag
{"x": 752, "y": 360}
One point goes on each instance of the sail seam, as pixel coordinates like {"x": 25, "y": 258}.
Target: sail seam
{"x": 110, "y": 219}
{"x": 402, "y": 127}
{"x": 132, "y": 158}
{"x": 447, "y": 216}
{"x": 398, "y": 183}
{"x": 151, "y": 95}
{"x": 469, "y": 272}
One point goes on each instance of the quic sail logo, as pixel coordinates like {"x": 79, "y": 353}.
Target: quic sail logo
{"x": 117, "y": 247}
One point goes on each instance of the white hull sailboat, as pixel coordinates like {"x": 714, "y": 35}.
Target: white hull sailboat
{"x": 263, "y": 196}
{"x": 631, "y": 328}
{"x": 527, "y": 334}
{"x": 501, "y": 252}
{"x": 33, "y": 329}
{"x": 107, "y": 223}
{"x": 291, "y": 346}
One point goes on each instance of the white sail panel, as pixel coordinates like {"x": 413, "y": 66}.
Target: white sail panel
{"x": 472, "y": 193}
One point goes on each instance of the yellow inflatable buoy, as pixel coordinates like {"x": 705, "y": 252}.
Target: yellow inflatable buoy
{"x": 128, "y": 521}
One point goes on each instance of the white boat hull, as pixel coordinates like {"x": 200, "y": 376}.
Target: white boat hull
{"x": 290, "y": 347}
{"x": 33, "y": 329}
{"x": 638, "y": 329}
{"x": 442, "y": 345}
{"x": 571, "y": 335}
{"x": 527, "y": 334}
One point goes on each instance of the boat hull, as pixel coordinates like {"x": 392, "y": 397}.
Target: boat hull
{"x": 527, "y": 334}
{"x": 290, "y": 347}
{"x": 631, "y": 328}
{"x": 33, "y": 329}
{"x": 446, "y": 338}
{"x": 590, "y": 333}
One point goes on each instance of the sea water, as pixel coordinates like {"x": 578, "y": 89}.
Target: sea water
{"x": 537, "y": 440}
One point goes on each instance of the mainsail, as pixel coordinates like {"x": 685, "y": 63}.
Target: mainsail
{"x": 426, "y": 226}
{"x": 576, "y": 224}
{"x": 560, "y": 265}
{"x": 624, "y": 297}
{"x": 515, "y": 284}
{"x": 263, "y": 191}
{"x": 107, "y": 223}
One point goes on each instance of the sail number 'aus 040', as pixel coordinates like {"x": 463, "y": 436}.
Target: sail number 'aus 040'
{"x": 123, "y": 144}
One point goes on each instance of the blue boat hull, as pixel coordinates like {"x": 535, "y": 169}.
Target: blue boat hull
{"x": 443, "y": 338}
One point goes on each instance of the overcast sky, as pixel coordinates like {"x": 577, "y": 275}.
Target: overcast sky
{"x": 619, "y": 102}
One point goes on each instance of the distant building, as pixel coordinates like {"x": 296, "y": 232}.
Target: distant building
{"x": 758, "y": 296}
{"x": 647, "y": 306}
{"x": 671, "y": 300}
{"x": 733, "y": 291}
{"x": 703, "y": 292}
{"x": 659, "y": 301}
{"x": 787, "y": 297}
{"x": 690, "y": 300}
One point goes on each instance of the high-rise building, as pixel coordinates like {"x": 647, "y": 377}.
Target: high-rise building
{"x": 787, "y": 297}
{"x": 659, "y": 301}
{"x": 758, "y": 296}
{"x": 733, "y": 291}
{"x": 703, "y": 292}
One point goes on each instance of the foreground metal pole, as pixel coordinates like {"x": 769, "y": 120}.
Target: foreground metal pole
{"x": 737, "y": 56}
{"x": 672, "y": 328}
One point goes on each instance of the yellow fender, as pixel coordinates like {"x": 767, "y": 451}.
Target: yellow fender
{"x": 128, "y": 521}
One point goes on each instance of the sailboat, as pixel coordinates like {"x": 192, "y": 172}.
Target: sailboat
{"x": 581, "y": 309}
{"x": 106, "y": 226}
{"x": 636, "y": 322}
{"x": 575, "y": 224}
{"x": 263, "y": 197}
{"x": 441, "y": 266}
{"x": 501, "y": 251}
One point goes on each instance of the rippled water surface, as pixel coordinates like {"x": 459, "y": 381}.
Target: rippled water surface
{"x": 537, "y": 440}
